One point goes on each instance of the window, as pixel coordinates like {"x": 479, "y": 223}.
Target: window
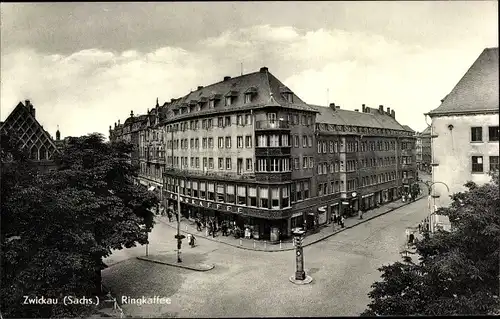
{"x": 227, "y": 121}
{"x": 494, "y": 164}
{"x": 204, "y": 142}
{"x": 228, "y": 163}
{"x": 285, "y": 165}
{"x": 230, "y": 198}
{"x": 284, "y": 140}
{"x": 202, "y": 190}
{"x": 296, "y": 164}
{"x": 248, "y": 98}
{"x": 248, "y": 119}
{"x": 239, "y": 120}
{"x": 310, "y": 141}
{"x": 493, "y": 133}
{"x": 476, "y": 134}
{"x": 311, "y": 162}
{"x": 252, "y": 195}
{"x": 221, "y": 163}
{"x": 296, "y": 141}
{"x": 197, "y": 143}
{"x": 271, "y": 117}
{"x": 211, "y": 104}
{"x": 228, "y": 100}
{"x": 264, "y": 197}
{"x": 299, "y": 190}
{"x": 220, "y": 193}
{"x": 228, "y": 141}
{"x": 249, "y": 164}
{"x": 220, "y": 122}
{"x": 262, "y": 141}
{"x": 289, "y": 97}
{"x": 210, "y": 142}
{"x": 262, "y": 165}
{"x": 211, "y": 163}
{"x": 195, "y": 189}
{"x": 205, "y": 163}
{"x": 331, "y": 147}
{"x": 274, "y": 165}
{"x": 221, "y": 142}
{"x": 477, "y": 164}
{"x": 285, "y": 197}
{"x": 239, "y": 141}
{"x": 324, "y": 147}
{"x": 319, "y": 147}
{"x": 274, "y": 141}
{"x": 248, "y": 141}
{"x": 275, "y": 198}
{"x": 304, "y": 141}
{"x": 211, "y": 195}
{"x": 304, "y": 162}
{"x": 320, "y": 169}
{"x": 197, "y": 162}
{"x": 306, "y": 190}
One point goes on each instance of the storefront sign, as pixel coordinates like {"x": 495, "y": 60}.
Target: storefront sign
{"x": 205, "y": 204}
{"x": 368, "y": 195}
{"x": 297, "y": 215}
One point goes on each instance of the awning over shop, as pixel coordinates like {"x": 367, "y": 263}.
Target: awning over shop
{"x": 151, "y": 188}
{"x": 143, "y": 183}
{"x": 345, "y": 203}
{"x": 322, "y": 209}
{"x": 297, "y": 214}
{"x": 367, "y": 195}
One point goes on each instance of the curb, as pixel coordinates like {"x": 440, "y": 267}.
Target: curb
{"x": 210, "y": 267}
{"x": 304, "y": 245}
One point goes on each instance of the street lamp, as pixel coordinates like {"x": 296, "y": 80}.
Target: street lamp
{"x": 432, "y": 204}
{"x": 300, "y": 277}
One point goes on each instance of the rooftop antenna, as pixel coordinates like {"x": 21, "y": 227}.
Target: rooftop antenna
{"x": 241, "y": 68}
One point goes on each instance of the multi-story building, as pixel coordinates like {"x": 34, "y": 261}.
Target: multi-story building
{"x": 364, "y": 159}
{"x": 423, "y": 150}
{"x": 38, "y": 142}
{"x": 464, "y": 129}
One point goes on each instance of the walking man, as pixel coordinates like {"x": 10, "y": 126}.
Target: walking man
{"x": 342, "y": 221}
{"x": 360, "y": 214}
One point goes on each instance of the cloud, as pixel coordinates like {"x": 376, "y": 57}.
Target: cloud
{"x": 87, "y": 91}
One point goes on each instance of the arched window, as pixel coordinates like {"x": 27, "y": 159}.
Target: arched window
{"x": 43, "y": 153}
{"x": 34, "y": 153}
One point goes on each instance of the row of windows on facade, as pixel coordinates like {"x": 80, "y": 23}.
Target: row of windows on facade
{"x": 477, "y": 134}
{"x": 355, "y": 146}
{"x": 253, "y": 196}
{"x": 240, "y": 120}
{"x": 353, "y": 165}
{"x": 478, "y": 164}
{"x": 263, "y": 165}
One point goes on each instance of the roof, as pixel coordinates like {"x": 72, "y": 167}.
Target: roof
{"x": 409, "y": 129}
{"x": 371, "y": 119}
{"x": 266, "y": 90}
{"x": 427, "y": 131}
{"x": 478, "y": 88}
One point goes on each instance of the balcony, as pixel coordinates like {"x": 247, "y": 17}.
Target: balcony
{"x": 210, "y": 175}
{"x": 272, "y": 151}
{"x": 272, "y": 125}
{"x": 273, "y": 177}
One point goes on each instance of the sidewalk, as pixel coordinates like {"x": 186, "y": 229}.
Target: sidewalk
{"x": 188, "y": 226}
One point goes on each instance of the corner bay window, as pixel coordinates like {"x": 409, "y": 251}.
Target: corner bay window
{"x": 262, "y": 141}
{"x": 211, "y": 194}
{"x": 285, "y": 197}
{"x": 264, "y": 197}
{"x": 252, "y": 196}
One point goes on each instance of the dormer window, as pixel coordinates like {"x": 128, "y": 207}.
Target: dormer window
{"x": 289, "y": 97}
{"x": 198, "y": 108}
{"x": 248, "y": 98}
{"x": 213, "y": 98}
{"x": 249, "y": 94}
{"x": 176, "y": 112}
{"x": 230, "y": 97}
{"x": 211, "y": 104}
{"x": 228, "y": 100}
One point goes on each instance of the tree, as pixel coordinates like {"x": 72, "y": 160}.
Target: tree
{"x": 457, "y": 272}
{"x": 57, "y": 227}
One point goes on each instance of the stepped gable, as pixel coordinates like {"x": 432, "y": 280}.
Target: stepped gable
{"x": 477, "y": 90}
{"x": 22, "y": 122}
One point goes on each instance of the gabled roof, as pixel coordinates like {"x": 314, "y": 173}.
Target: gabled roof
{"x": 427, "y": 131}
{"x": 478, "y": 88}
{"x": 409, "y": 129}
{"x": 24, "y": 123}
{"x": 345, "y": 117}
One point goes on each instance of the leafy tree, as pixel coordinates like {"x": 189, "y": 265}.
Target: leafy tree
{"x": 57, "y": 227}
{"x": 457, "y": 272}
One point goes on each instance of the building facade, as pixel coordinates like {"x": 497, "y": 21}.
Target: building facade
{"x": 423, "y": 150}
{"x": 249, "y": 150}
{"x": 38, "y": 142}
{"x": 465, "y": 130}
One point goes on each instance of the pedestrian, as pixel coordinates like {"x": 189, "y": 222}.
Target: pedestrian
{"x": 207, "y": 230}
{"x": 342, "y": 221}
{"x": 192, "y": 241}
{"x": 420, "y": 227}
{"x": 213, "y": 229}
{"x": 360, "y": 214}
{"x": 339, "y": 220}
{"x": 189, "y": 239}
{"x": 198, "y": 224}
{"x": 169, "y": 214}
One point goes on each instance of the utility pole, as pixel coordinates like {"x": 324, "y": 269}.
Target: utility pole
{"x": 177, "y": 189}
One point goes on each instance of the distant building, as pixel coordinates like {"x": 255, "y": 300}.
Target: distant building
{"x": 423, "y": 150}
{"x": 22, "y": 123}
{"x": 464, "y": 129}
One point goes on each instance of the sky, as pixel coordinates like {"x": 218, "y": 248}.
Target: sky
{"x": 84, "y": 66}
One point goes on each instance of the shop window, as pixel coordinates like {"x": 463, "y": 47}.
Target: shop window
{"x": 230, "y": 197}
{"x": 211, "y": 193}
{"x": 195, "y": 189}
{"x": 263, "y": 197}
{"x": 285, "y": 197}
{"x": 252, "y": 196}
{"x": 183, "y": 189}
{"x": 188, "y": 188}
{"x": 242, "y": 196}
{"x": 275, "y": 198}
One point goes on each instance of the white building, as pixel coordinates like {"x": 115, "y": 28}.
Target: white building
{"x": 464, "y": 130}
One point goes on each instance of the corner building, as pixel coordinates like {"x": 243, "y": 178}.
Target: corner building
{"x": 228, "y": 148}
{"x": 247, "y": 149}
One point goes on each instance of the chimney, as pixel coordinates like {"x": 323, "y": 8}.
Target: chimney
{"x": 131, "y": 113}
{"x": 393, "y": 114}
{"x": 227, "y": 78}
{"x": 58, "y": 134}
{"x": 356, "y": 110}
{"x": 363, "y": 108}
{"x": 115, "y": 124}
{"x": 338, "y": 107}
{"x": 332, "y": 105}
{"x": 118, "y": 122}
{"x": 27, "y": 103}
{"x": 381, "y": 109}
{"x": 264, "y": 69}
{"x": 200, "y": 87}
{"x": 171, "y": 100}
{"x": 110, "y": 128}
{"x": 389, "y": 111}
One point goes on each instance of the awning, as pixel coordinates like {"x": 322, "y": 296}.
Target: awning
{"x": 310, "y": 214}
{"x": 322, "y": 209}
{"x": 151, "y": 188}
{"x": 336, "y": 204}
{"x": 345, "y": 203}
{"x": 296, "y": 215}
{"x": 367, "y": 195}
{"x": 143, "y": 183}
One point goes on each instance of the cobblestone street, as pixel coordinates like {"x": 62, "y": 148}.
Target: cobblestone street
{"x": 255, "y": 283}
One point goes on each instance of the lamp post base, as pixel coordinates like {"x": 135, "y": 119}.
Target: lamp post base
{"x": 307, "y": 280}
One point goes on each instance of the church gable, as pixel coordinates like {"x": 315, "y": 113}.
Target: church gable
{"x": 34, "y": 138}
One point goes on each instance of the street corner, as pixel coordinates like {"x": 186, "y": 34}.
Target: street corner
{"x": 190, "y": 262}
